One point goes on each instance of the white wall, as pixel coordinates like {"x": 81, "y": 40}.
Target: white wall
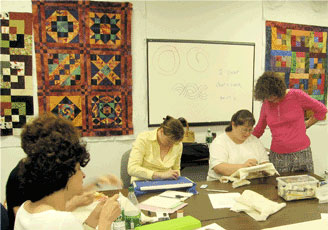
{"x": 239, "y": 21}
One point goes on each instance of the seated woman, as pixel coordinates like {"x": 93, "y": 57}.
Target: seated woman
{"x": 236, "y": 148}
{"x": 15, "y": 192}
{"x": 51, "y": 175}
{"x": 156, "y": 154}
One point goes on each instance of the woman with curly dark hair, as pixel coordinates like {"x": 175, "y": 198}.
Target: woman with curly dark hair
{"x": 283, "y": 111}
{"x": 51, "y": 175}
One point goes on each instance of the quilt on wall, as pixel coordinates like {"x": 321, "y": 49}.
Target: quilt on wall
{"x": 83, "y": 56}
{"x": 299, "y": 54}
{"x": 16, "y": 71}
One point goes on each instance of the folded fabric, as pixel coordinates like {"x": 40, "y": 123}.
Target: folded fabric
{"x": 256, "y": 205}
{"x": 239, "y": 178}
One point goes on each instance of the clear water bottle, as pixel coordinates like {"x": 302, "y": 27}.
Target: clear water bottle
{"x": 119, "y": 223}
{"x": 132, "y": 214}
{"x": 209, "y": 137}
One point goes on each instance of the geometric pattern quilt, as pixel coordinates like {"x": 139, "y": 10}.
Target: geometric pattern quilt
{"x": 299, "y": 54}
{"x": 15, "y": 71}
{"x": 83, "y": 56}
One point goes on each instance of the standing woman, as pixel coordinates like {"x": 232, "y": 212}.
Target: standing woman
{"x": 157, "y": 154}
{"x": 283, "y": 111}
{"x": 51, "y": 175}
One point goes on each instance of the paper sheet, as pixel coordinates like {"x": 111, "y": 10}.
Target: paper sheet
{"x": 176, "y": 194}
{"x": 223, "y": 200}
{"x": 162, "y": 202}
{"x": 211, "y": 227}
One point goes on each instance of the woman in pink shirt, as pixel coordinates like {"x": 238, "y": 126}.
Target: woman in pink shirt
{"x": 283, "y": 111}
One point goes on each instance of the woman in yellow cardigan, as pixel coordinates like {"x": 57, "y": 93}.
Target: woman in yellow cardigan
{"x": 157, "y": 154}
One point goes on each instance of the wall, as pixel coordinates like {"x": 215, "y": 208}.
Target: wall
{"x": 239, "y": 21}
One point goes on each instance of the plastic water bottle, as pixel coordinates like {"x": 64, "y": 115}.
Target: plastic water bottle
{"x": 209, "y": 137}
{"x": 132, "y": 214}
{"x": 119, "y": 223}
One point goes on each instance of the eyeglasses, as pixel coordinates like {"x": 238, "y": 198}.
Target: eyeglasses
{"x": 245, "y": 130}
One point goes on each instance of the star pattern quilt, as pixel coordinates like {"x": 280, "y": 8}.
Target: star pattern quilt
{"x": 83, "y": 56}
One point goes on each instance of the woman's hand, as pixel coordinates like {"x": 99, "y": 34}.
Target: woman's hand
{"x": 109, "y": 213}
{"x": 79, "y": 200}
{"x": 250, "y": 162}
{"x": 94, "y": 216}
{"x": 170, "y": 174}
{"x": 108, "y": 179}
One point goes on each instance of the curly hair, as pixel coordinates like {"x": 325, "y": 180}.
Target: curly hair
{"x": 241, "y": 117}
{"x": 53, "y": 149}
{"x": 172, "y": 128}
{"x": 269, "y": 84}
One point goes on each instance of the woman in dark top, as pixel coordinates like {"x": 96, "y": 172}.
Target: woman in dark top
{"x": 14, "y": 194}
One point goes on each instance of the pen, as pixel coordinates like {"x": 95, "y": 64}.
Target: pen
{"x": 216, "y": 190}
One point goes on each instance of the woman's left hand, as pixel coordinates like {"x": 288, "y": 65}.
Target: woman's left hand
{"x": 108, "y": 179}
{"x": 79, "y": 200}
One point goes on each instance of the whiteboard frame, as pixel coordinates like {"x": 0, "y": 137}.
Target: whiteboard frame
{"x": 149, "y": 40}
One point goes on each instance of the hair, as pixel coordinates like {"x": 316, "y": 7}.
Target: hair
{"x": 53, "y": 148}
{"x": 241, "y": 117}
{"x": 173, "y": 128}
{"x": 269, "y": 84}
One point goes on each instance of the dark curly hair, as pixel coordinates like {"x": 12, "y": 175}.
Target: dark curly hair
{"x": 269, "y": 84}
{"x": 173, "y": 128}
{"x": 53, "y": 149}
{"x": 242, "y": 117}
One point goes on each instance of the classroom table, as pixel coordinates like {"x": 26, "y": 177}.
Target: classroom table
{"x": 200, "y": 207}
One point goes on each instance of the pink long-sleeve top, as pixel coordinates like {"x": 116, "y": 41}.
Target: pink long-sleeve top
{"x": 286, "y": 121}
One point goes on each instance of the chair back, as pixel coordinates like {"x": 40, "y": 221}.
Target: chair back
{"x": 125, "y": 177}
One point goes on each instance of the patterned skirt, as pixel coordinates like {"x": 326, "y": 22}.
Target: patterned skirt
{"x": 300, "y": 161}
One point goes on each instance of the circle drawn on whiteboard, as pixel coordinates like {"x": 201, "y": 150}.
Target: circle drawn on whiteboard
{"x": 191, "y": 91}
{"x": 197, "y": 59}
{"x": 166, "y": 60}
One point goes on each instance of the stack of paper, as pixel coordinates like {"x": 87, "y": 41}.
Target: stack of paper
{"x": 162, "y": 204}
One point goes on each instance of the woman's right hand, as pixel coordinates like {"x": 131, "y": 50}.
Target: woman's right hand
{"x": 109, "y": 213}
{"x": 250, "y": 162}
{"x": 170, "y": 174}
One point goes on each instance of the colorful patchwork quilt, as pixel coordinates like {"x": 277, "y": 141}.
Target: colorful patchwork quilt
{"x": 299, "y": 54}
{"x": 16, "y": 72}
{"x": 83, "y": 56}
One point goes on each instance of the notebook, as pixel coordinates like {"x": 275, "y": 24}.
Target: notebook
{"x": 181, "y": 182}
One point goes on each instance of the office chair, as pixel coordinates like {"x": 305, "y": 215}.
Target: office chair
{"x": 124, "y": 169}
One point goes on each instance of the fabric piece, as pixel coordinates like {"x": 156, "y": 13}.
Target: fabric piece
{"x": 58, "y": 220}
{"x": 145, "y": 157}
{"x": 15, "y": 72}
{"x": 83, "y": 56}
{"x": 286, "y": 121}
{"x": 293, "y": 162}
{"x": 241, "y": 176}
{"x": 256, "y": 205}
{"x": 299, "y": 54}
{"x": 224, "y": 150}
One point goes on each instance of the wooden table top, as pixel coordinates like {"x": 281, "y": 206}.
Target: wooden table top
{"x": 200, "y": 207}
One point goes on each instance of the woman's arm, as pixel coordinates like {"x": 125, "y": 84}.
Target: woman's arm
{"x": 261, "y": 124}
{"x": 308, "y": 103}
{"x": 226, "y": 169}
{"x": 136, "y": 159}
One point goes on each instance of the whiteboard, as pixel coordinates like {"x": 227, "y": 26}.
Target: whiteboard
{"x": 205, "y": 82}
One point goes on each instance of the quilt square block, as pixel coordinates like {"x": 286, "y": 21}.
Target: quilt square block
{"x": 16, "y": 71}
{"x": 307, "y": 49}
{"x": 83, "y": 55}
